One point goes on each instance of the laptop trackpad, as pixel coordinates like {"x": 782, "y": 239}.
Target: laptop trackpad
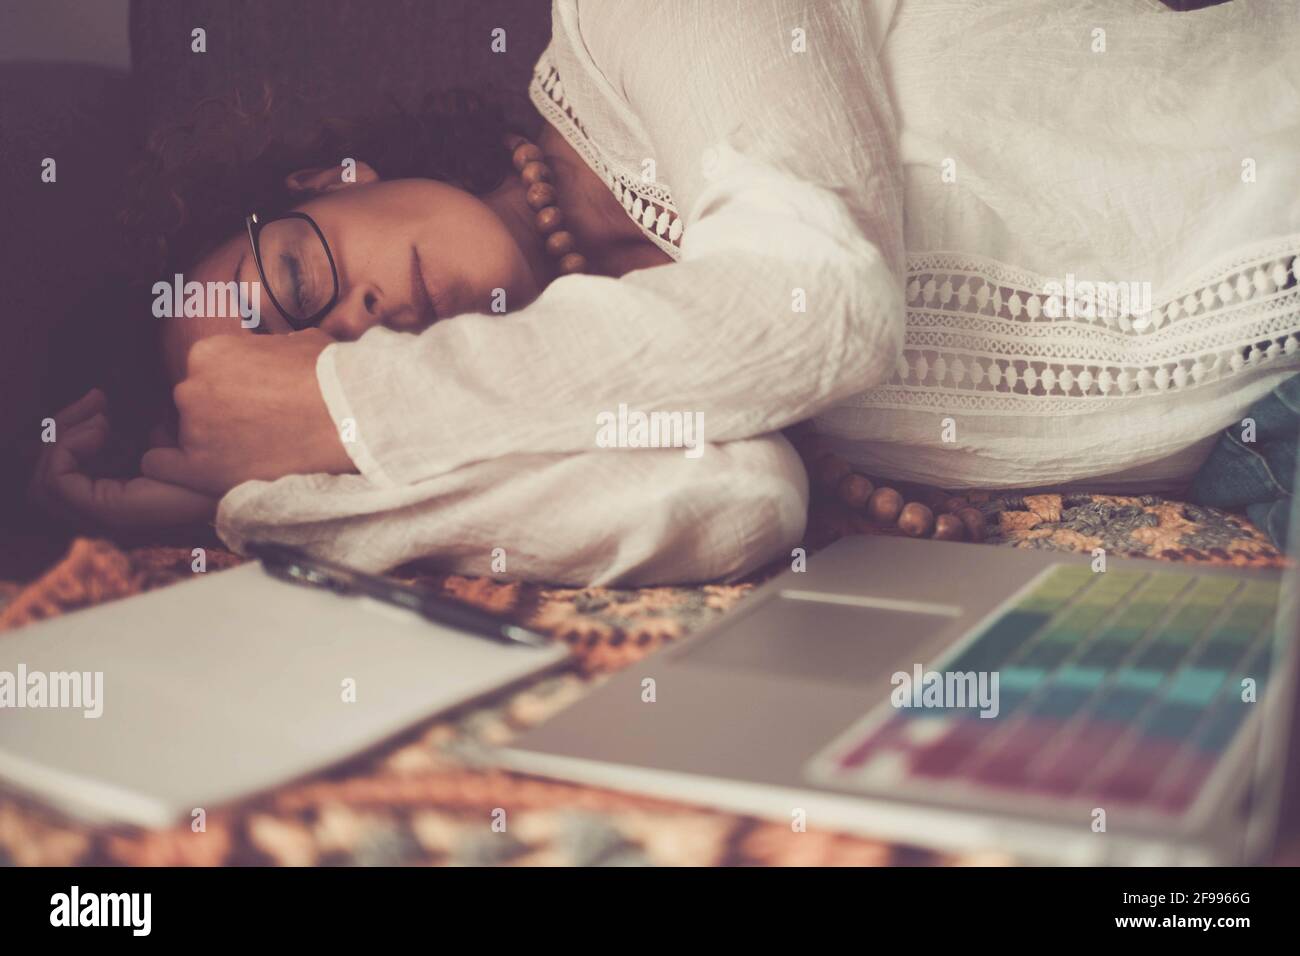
{"x": 825, "y": 641}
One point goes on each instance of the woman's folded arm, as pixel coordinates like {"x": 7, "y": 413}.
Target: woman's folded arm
{"x": 779, "y": 310}
{"x": 619, "y": 516}
{"x": 774, "y": 130}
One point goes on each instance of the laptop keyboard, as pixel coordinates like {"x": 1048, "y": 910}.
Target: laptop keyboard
{"x": 1122, "y": 686}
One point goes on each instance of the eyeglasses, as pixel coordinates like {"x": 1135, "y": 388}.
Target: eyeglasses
{"x": 296, "y": 266}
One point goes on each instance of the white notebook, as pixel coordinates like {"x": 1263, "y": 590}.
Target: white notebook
{"x": 216, "y": 689}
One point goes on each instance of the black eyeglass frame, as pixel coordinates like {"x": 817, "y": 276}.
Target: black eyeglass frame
{"x": 255, "y": 224}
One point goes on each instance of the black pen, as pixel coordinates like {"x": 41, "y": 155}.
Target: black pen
{"x": 291, "y": 564}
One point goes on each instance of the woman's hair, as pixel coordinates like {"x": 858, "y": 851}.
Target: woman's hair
{"x": 195, "y": 183}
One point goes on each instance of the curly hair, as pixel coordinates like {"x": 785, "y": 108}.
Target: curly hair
{"x": 195, "y": 182}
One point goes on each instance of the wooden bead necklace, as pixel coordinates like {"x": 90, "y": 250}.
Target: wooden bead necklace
{"x": 941, "y": 515}
{"x": 541, "y": 198}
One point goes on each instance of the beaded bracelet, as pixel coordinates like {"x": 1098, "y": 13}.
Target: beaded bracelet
{"x": 943, "y": 516}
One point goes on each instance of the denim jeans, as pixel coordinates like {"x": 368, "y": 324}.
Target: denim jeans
{"x": 1257, "y": 471}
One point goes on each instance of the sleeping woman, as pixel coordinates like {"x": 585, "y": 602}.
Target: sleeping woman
{"x": 981, "y": 244}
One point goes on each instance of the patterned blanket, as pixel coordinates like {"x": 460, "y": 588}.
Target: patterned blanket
{"x": 430, "y": 797}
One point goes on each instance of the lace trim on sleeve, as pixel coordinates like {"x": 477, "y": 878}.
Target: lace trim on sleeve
{"x": 983, "y": 336}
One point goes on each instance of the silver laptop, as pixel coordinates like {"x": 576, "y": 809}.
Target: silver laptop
{"x": 966, "y": 697}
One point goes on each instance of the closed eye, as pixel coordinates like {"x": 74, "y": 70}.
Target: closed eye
{"x": 295, "y": 279}
{"x": 260, "y": 328}
{"x": 420, "y": 300}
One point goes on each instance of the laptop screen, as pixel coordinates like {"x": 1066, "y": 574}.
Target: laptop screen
{"x": 1161, "y": 693}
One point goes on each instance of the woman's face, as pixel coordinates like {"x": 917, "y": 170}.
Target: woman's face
{"x": 408, "y": 252}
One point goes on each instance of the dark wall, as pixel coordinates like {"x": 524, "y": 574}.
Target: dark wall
{"x": 347, "y": 54}
{"x": 66, "y": 31}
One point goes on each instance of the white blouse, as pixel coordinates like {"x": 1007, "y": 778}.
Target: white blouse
{"x": 844, "y": 186}
{"x": 1058, "y": 153}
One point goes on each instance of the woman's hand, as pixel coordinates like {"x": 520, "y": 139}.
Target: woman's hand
{"x": 61, "y": 487}
{"x": 250, "y": 408}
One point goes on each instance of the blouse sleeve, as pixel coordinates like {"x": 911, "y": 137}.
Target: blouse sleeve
{"x": 621, "y": 516}
{"x": 771, "y": 123}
